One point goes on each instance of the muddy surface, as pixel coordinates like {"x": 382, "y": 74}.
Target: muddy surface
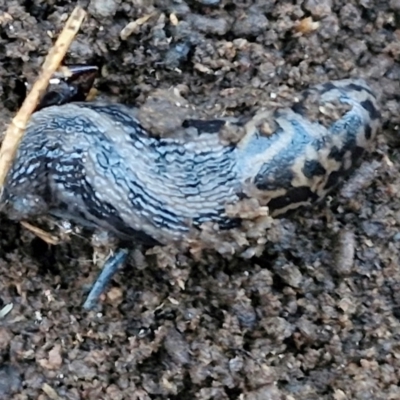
{"x": 316, "y": 316}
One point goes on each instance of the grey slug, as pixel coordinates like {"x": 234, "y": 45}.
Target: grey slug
{"x": 93, "y": 163}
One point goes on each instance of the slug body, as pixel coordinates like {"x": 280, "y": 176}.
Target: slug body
{"x": 94, "y": 164}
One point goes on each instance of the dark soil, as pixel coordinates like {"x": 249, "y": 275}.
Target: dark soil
{"x": 317, "y": 316}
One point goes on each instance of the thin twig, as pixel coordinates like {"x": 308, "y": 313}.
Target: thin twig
{"x": 45, "y": 236}
{"x": 53, "y": 60}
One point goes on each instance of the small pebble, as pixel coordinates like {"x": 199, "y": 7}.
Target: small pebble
{"x": 103, "y": 8}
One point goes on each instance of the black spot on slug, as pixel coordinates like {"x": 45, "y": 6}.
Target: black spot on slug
{"x": 242, "y": 196}
{"x": 356, "y": 154}
{"x": 273, "y": 179}
{"x": 294, "y": 195}
{"x": 369, "y": 106}
{"x": 354, "y": 86}
{"x": 313, "y": 168}
{"x": 336, "y": 154}
{"x": 368, "y": 132}
{"x": 359, "y": 88}
{"x": 327, "y": 86}
{"x": 333, "y": 180}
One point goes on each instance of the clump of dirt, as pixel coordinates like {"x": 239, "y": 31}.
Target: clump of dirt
{"x": 316, "y": 316}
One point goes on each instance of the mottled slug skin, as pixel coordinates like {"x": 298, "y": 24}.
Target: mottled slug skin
{"x": 94, "y": 164}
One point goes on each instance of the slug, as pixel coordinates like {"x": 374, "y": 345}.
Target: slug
{"x": 93, "y": 163}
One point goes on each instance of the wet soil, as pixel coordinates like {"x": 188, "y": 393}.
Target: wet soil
{"x": 316, "y": 316}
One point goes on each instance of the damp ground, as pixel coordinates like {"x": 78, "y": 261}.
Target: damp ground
{"x": 316, "y": 316}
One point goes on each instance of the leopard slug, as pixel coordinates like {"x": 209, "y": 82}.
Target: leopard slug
{"x": 93, "y": 163}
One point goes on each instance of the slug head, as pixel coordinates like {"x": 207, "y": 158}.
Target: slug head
{"x": 20, "y": 207}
